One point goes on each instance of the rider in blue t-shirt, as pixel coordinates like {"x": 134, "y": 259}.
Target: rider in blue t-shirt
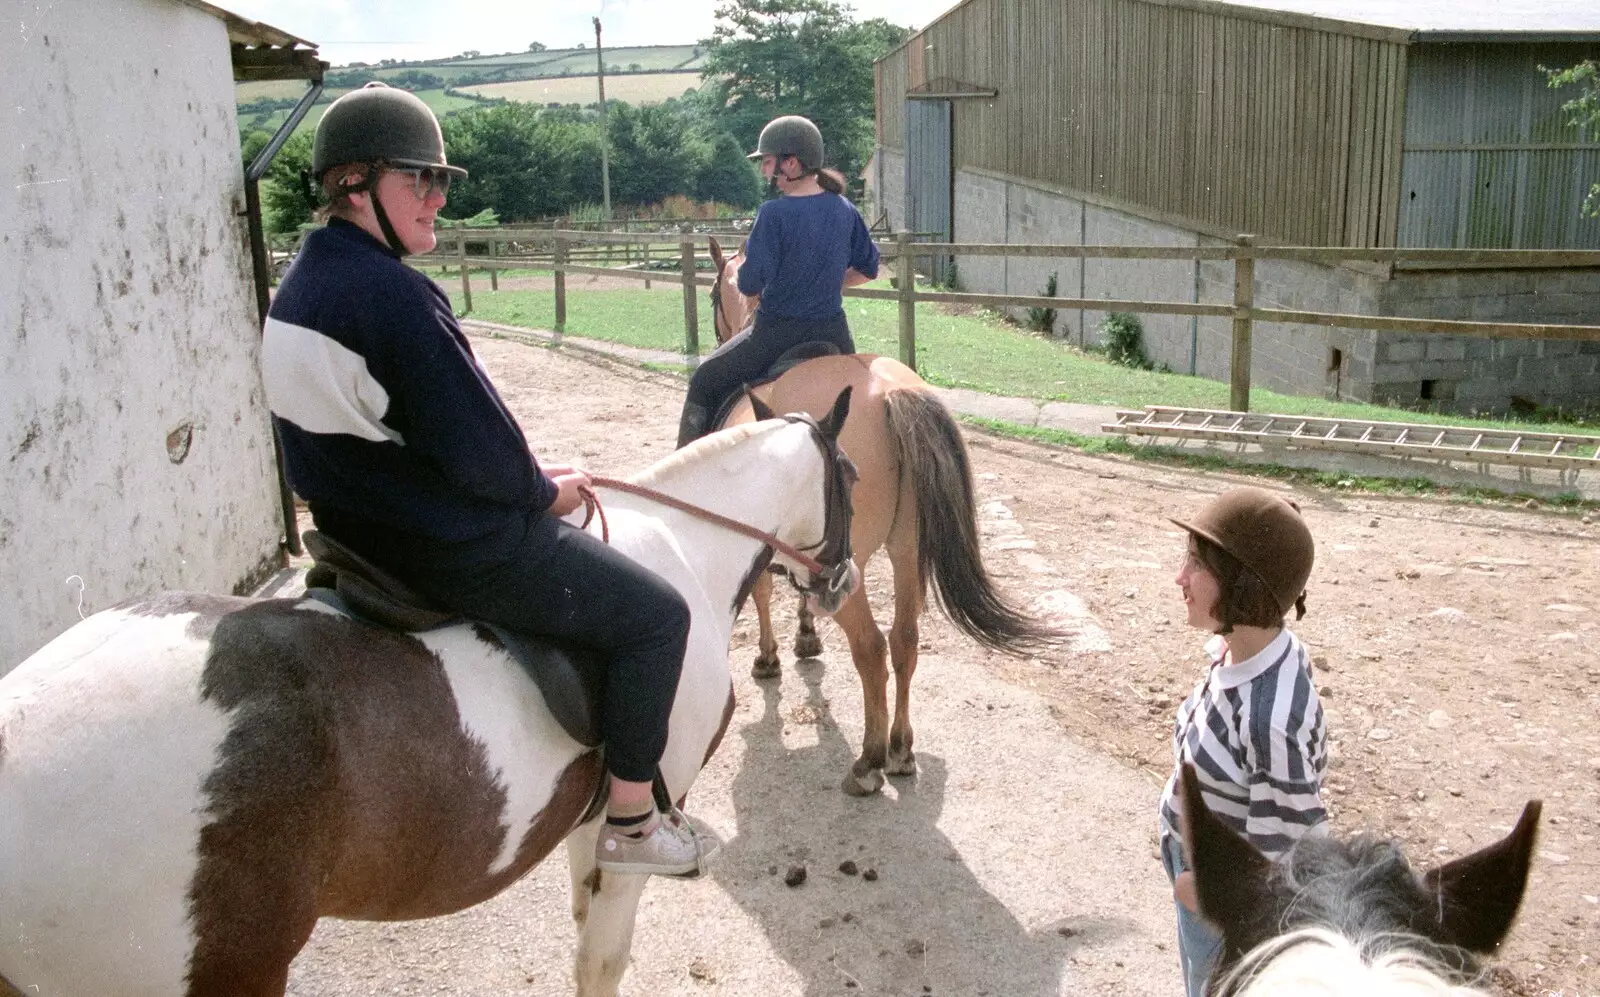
{"x": 806, "y": 247}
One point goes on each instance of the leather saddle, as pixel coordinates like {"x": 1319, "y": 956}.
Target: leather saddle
{"x": 793, "y": 357}
{"x": 572, "y": 679}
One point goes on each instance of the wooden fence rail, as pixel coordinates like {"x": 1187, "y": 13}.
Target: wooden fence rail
{"x": 558, "y": 249}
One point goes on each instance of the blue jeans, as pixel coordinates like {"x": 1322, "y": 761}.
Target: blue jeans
{"x": 1199, "y": 944}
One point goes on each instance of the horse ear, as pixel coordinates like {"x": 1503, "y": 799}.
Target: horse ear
{"x": 761, "y": 408}
{"x": 834, "y": 423}
{"x": 1478, "y": 894}
{"x": 1230, "y": 875}
{"x": 716, "y": 252}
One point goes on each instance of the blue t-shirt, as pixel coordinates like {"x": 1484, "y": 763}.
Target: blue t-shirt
{"x": 390, "y": 426}
{"x": 798, "y": 252}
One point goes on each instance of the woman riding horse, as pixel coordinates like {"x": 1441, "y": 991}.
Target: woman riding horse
{"x": 405, "y": 454}
{"x": 188, "y": 782}
{"x": 914, "y": 501}
{"x": 805, "y": 248}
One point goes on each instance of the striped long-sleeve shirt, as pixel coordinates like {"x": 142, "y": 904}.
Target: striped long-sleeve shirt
{"x": 1255, "y": 733}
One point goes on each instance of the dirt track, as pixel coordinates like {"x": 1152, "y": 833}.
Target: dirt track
{"x": 1455, "y": 647}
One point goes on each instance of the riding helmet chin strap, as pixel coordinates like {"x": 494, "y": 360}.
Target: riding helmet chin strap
{"x": 369, "y": 186}
{"x": 772, "y": 182}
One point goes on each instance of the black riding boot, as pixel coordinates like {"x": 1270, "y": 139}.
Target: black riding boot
{"x": 694, "y": 423}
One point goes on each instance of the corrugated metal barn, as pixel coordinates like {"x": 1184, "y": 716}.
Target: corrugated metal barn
{"x": 1336, "y": 123}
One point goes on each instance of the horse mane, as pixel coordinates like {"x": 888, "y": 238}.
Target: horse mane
{"x": 1322, "y": 962}
{"x": 1364, "y": 889}
{"x": 698, "y": 450}
{"x": 1351, "y": 918}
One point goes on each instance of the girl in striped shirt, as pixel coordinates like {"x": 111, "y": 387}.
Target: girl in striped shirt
{"x": 1253, "y": 727}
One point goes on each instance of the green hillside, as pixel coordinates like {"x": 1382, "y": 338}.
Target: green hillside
{"x": 441, "y": 102}
{"x": 646, "y": 74}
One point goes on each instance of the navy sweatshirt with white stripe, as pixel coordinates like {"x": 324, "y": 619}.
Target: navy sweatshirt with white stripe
{"x": 390, "y": 427}
{"x": 1255, "y": 733}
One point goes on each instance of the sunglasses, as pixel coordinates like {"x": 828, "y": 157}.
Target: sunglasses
{"x": 425, "y": 179}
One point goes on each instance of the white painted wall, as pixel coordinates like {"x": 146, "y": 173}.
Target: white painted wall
{"x": 126, "y": 313}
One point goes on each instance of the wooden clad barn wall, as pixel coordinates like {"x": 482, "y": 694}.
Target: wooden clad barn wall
{"x": 893, "y": 71}
{"x": 1235, "y": 121}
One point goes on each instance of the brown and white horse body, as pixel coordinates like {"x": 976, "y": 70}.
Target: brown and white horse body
{"x": 188, "y": 782}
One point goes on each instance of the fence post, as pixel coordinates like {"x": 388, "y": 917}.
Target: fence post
{"x": 494, "y": 271}
{"x": 559, "y": 263}
{"x": 1244, "y": 299}
{"x": 691, "y": 312}
{"x": 466, "y": 282}
{"x": 905, "y": 268}
{"x": 646, "y": 264}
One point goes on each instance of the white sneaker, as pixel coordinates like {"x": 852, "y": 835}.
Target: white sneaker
{"x": 679, "y": 845}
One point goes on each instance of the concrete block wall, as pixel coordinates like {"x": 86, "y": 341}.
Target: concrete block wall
{"x": 1472, "y": 374}
{"x": 1168, "y": 339}
{"x": 1294, "y": 359}
{"x": 1034, "y": 216}
{"x": 1462, "y": 373}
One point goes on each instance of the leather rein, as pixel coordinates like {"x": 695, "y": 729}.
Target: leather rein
{"x": 592, "y": 508}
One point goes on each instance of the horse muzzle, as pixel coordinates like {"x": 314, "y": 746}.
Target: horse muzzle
{"x": 829, "y": 591}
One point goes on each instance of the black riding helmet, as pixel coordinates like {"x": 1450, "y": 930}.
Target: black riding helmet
{"x": 791, "y": 135}
{"x": 382, "y": 126}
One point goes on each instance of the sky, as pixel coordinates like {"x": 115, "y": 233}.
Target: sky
{"x": 369, "y": 30}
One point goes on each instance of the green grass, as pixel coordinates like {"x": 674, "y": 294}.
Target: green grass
{"x": 644, "y": 319}
{"x": 981, "y": 352}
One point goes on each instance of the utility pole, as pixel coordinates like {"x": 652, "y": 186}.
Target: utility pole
{"x": 605, "y": 129}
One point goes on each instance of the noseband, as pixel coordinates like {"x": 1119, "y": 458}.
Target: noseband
{"x": 839, "y": 478}
{"x": 830, "y": 569}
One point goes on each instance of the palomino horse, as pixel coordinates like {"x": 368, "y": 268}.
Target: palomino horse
{"x": 914, "y": 499}
{"x": 1350, "y": 918}
{"x": 188, "y": 782}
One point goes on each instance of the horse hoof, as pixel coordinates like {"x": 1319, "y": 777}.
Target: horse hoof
{"x": 763, "y": 669}
{"x": 809, "y": 646}
{"x": 904, "y": 765}
{"x": 866, "y": 785}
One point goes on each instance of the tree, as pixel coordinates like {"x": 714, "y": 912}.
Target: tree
{"x": 772, "y": 57}
{"x": 1584, "y": 108}
{"x": 536, "y": 46}
{"x": 525, "y": 162}
{"x": 727, "y": 176}
{"x": 654, "y": 153}
{"x": 289, "y": 195}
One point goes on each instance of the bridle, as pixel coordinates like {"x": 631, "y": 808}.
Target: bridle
{"x": 830, "y": 568}
{"x": 718, "y": 319}
{"x": 719, "y": 314}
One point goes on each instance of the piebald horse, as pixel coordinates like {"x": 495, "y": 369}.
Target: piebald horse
{"x": 188, "y": 782}
{"x": 1350, "y": 918}
{"x": 914, "y": 500}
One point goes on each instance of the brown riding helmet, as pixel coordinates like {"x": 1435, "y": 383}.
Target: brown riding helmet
{"x": 1265, "y": 533}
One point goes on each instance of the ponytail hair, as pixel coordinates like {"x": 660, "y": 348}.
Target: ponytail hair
{"x": 830, "y": 180}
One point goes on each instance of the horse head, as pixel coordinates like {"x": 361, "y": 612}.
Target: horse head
{"x": 731, "y": 311}
{"x": 1349, "y": 910}
{"x": 826, "y": 590}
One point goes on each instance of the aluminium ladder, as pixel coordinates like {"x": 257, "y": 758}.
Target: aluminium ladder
{"x": 1565, "y": 452}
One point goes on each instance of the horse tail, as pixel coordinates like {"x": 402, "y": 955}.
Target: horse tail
{"x": 933, "y": 453}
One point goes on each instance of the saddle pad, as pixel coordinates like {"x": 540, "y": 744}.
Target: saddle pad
{"x": 793, "y": 357}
